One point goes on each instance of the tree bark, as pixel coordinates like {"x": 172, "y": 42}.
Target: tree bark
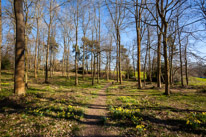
{"x": 117, "y": 61}
{"x": 171, "y": 64}
{"x": 145, "y": 63}
{"x": 37, "y": 40}
{"x": 159, "y": 84}
{"x": 167, "y": 83}
{"x": 83, "y": 62}
{"x": 76, "y": 63}
{"x": 26, "y": 46}
{"x": 110, "y": 58}
{"x": 94, "y": 69}
{"x": 133, "y": 61}
{"x": 26, "y": 59}
{"x": 186, "y": 71}
{"x": 48, "y": 42}
{"x": 63, "y": 58}
{"x": 119, "y": 42}
{"x": 68, "y": 54}
{"x": 137, "y": 22}
{"x": 107, "y": 67}
{"x": 0, "y": 40}
{"x": 19, "y": 84}
{"x": 180, "y": 51}
{"x": 99, "y": 72}
{"x": 149, "y": 71}
{"x": 139, "y": 58}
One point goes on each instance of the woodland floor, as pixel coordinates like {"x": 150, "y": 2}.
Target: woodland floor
{"x": 61, "y": 109}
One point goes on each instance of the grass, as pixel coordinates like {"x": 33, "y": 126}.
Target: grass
{"x": 57, "y": 108}
{"x": 148, "y": 112}
{"x": 196, "y": 82}
{"x": 53, "y": 109}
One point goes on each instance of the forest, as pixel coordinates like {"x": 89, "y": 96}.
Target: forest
{"x": 103, "y": 68}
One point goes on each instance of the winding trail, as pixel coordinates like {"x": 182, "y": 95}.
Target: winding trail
{"x": 92, "y": 124}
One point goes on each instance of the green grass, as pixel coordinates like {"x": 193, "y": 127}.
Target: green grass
{"x": 195, "y": 81}
{"x": 159, "y": 114}
{"x": 46, "y": 109}
{"x": 56, "y": 108}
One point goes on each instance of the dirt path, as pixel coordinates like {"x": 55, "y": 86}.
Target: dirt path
{"x": 92, "y": 125}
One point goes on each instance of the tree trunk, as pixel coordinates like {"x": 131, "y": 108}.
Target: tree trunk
{"x": 48, "y": 41}
{"x": 186, "y": 72}
{"x": 0, "y": 41}
{"x": 51, "y": 63}
{"x": 63, "y": 58}
{"x": 76, "y": 63}
{"x": 26, "y": 60}
{"x": 139, "y": 59}
{"x": 92, "y": 64}
{"x": 137, "y": 22}
{"x": 83, "y": 63}
{"x": 19, "y": 84}
{"x": 87, "y": 66}
{"x": 97, "y": 67}
{"x": 167, "y": 83}
{"x": 110, "y": 58}
{"x": 153, "y": 65}
{"x": 145, "y": 64}
{"x": 180, "y": 50}
{"x": 117, "y": 61}
{"x": 159, "y": 85}
{"x": 39, "y": 58}
{"x": 68, "y": 54}
{"x": 99, "y": 73}
{"x": 37, "y": 40}
{"x": 107, "y": 67}
{"x": 133, "y": 61}
{"x": 149, "y": 72}
{"x": 94, "y": 70}
{"x": 120, "y": 71}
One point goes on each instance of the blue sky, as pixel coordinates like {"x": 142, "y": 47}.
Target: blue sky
{"x": 128, "y": 35}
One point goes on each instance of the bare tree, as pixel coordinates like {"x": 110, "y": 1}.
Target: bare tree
{"x": 0, "y": 41}
{"x": 27, "y": 5}
{"x": 165, "y": 11}
{"x": 85, "y": 24}
{"x": 49, "y": 25}
{"x": 99, "y": 53}
{"x": 76, "y": 22}
{"x": 38, "y": 15}
{"x": 149, "y": 55}
{"x": 186, "y": 66}
{"x": 117, "y": 18}
{"x": 19, "y": 84}
{"x": 180, "y": 51}
{"x": 138, "y": 17}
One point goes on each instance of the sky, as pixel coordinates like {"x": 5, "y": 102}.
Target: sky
{"x": 197, "y": 46}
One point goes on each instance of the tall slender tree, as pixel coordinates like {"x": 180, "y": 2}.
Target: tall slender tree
{"x": 117, "y": 17}
{"x": 138, "y": 17}
{"x": 19, "y": 84}
{"x": 51, "y": 16}
{"x": 76, "y": 45}
{"x": 0, "y": 41}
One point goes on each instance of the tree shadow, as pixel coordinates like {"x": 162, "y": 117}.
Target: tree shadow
{"x": 174, "y": 124}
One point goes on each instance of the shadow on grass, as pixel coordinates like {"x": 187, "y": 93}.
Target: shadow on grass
{"x": 18, "y": 106}
{"x": 174, "y": 124}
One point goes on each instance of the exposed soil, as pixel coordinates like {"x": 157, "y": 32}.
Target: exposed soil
{"x": 92, "y": 124}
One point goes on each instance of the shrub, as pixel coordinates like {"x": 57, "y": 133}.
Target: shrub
{"x": 195, "y": 120}
{"x": 5, "y": 63}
